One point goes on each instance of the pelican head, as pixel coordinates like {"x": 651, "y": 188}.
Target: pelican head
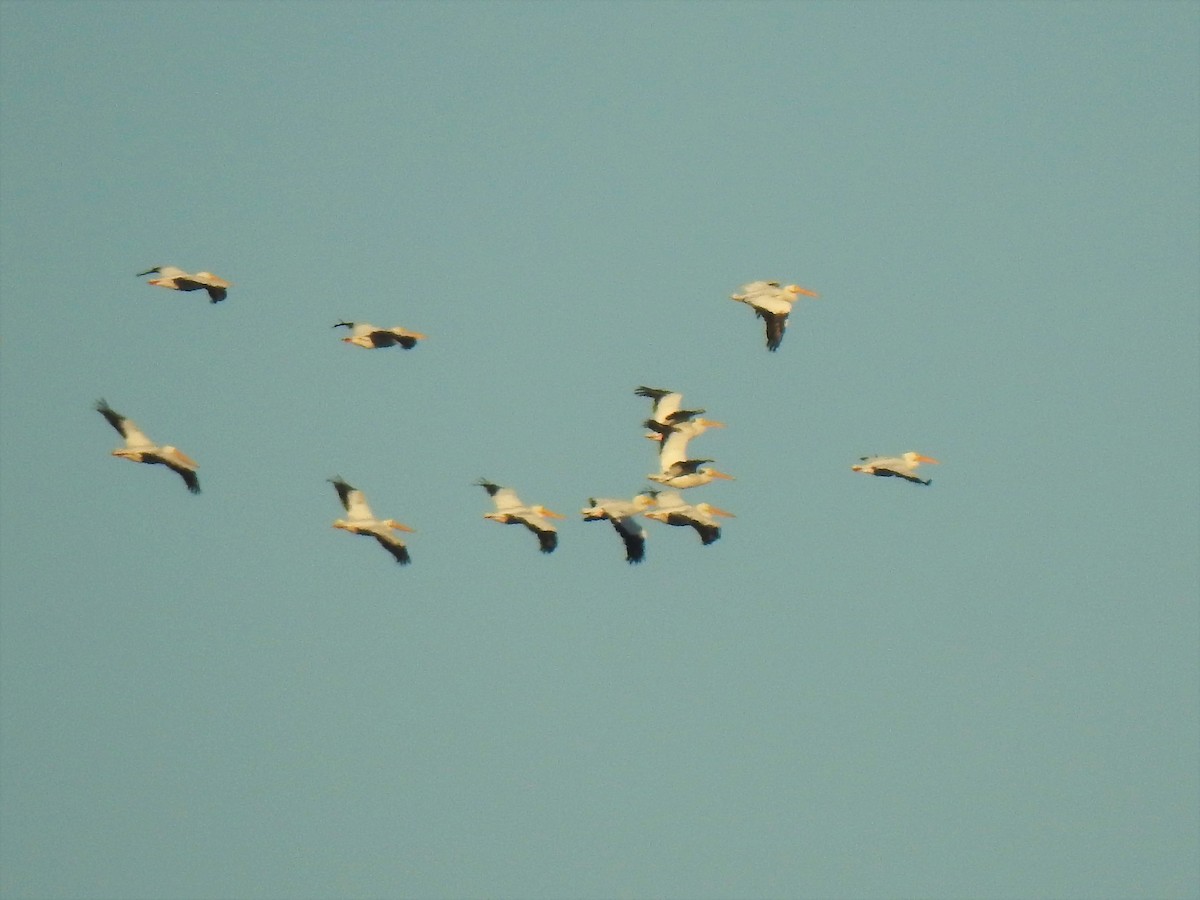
{"x": 398, "y": 526}
{"x": 547, "y": 513}
{"x": 796, "y": 289}
{"x": 709, "y": 510}
{"x": 714, "y": 473}
{"x": 709, "y": 423}
{"x": 918, "y": 458}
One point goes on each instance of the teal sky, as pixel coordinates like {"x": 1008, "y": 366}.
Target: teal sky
{"x": 988, "y": 688}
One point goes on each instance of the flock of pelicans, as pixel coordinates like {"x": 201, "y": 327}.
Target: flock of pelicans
{"x": 670, "y": 424}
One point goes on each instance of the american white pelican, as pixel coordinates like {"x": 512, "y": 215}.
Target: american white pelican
{"x": 360, "y": 520}
{"x": 511, "y": 511}
{"x": 179, "y": 280}
{"x": 621, "y": 513}
{"x": 687, "y": 473}
{"x": 139, "y": 448}
{"x": 771, "y": 303}
{"x": 372, "y": 337}
{"x": 904, "y": 466}
{"x": 673, "y": 511}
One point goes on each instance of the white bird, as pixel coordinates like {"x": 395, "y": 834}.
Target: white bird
{"x": 179, "y": 280}
{"x": 621, "y": 513}
{"x": 772, "y": 304}
{"x": 687, "y": 473}
{"x": 372, "y": 337}
{"x": 675, "y": 468}
{"x": 673, "y": 511}
{"x": 904, "y": 466}
{"x": 139, "y": 448}
{"x": 360, "y": 520}
{"x": 511, "y": 511}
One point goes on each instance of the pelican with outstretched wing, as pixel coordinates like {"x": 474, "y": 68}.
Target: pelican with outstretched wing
{"x": 622, "y": 514}
{"x": 903, "y": 466}
{"x": 179, "y": 280}
{"x": 372, "y": 337}
{"x": 511, "y": 511}
{"x": 771, "y": 303}
{"x": 139, "y": 448}
{"x": 360, "y": 520}
{"x": 671, "y": 510}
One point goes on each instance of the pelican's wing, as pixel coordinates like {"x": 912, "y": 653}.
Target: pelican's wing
{"x": 505, "y": 498}
{"x": 115, "y": 419}
{"x": 776, "y": 325}
{"x": 685, "y": 467}
{"x": 187, "y": 473}
{"x": 353, "y": 500}
{"x": 382, "y": 337}
{"x": 634, "y": 537}
{"x": 907, "y": 475}
{"x": 393, "y": 546}
{"x": 208, "y": 279}
{"x": 165, "y": 272}
{"x": 125, "y": 427}
{"x": 670, "y": 501}
{"x": 708, "y": 532}
{"x": 547, "y": 536}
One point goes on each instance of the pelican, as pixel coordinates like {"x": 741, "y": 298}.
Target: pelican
{"x": 772, "y": 304}
{"x": 511, "y": 511}
{"x": 179, "y": 280}
{"x": 621, "y": 513}
{"x": 904, "y": 466}
{"x": 673, "y": 511}
{"x": 687, "y": 473}
{"x": 360, "y": 520}
{"x": 139, "y": 448}
{"x": 372, "y": 337}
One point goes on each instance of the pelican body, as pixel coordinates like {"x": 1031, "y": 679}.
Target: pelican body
{"x": 671, "y": 510}
{"x": 622, "y": 515}
{"x": 179, "y": 280}
{"x": 360, "y": 520}
{"x": 904, "y": 466}
{"x": 139, "y": 448}
{"x": 372, "y": 337}
{"x": 772, "y": 304}
{"x": 511, "y": 511}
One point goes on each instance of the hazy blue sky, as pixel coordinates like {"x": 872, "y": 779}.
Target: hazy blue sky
{"x": 988, "y": 688}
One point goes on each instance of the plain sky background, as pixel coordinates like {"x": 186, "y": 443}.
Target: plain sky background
{"x": 866, "y": 689}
